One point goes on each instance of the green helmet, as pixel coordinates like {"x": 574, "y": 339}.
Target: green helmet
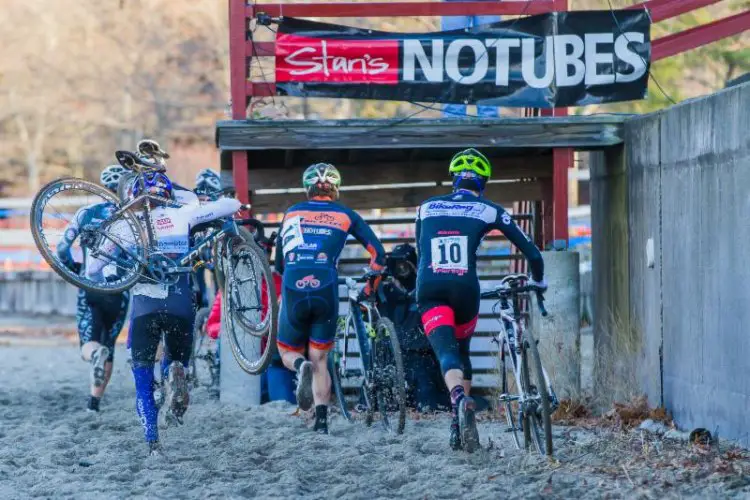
{"x": 324, "y": 173}
{"x": 471, "y": 160}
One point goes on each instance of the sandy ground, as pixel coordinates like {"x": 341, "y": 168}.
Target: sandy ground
{"x": 51, "y": 448}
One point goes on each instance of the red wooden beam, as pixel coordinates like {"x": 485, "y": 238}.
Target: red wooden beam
{"x": 700, "y": 35}
{"x": 394, "y": 9}
{"x": 238, "y": 73}
{"x": 666, "y": 9}
{"x": 260, "y": 89}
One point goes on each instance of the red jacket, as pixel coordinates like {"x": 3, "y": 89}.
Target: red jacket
{"x": 213, "y": 324}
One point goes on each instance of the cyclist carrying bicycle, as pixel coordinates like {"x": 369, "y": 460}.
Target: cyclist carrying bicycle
{"x": 449, "y": 229}
{"x": 313, "y": 234}
{"x": 100, "y": 316}
{"x": 167, "y": 309}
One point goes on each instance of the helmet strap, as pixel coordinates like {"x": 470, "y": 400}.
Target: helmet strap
{"x": 473, "y": 185}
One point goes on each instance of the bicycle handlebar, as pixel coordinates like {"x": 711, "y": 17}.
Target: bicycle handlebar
{"x": 500, "y": 293}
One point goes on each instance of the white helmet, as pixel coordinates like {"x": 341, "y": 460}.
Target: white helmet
{"x": 111, "y": 175}
{"x": 207, "y": 182}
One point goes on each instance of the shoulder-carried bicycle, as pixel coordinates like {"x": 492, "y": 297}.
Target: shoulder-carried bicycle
{"x": 120, "y": 249}
{"x": 526, "y": 397}
{"x": 375, "y": 364}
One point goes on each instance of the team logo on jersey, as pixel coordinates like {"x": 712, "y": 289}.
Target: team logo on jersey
{"x": 307, "y": 246}
{"x": 320, "y": 231}
{"x": 469, "y": 209}
{"x": 308, "y": 281}
{"x": 506, "y": 218}
{"x": 164, "y": 223}
{"x": 322, "y": 257}
{"x": 291, "y": 256}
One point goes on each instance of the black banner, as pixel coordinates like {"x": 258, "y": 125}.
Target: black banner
{"x": 551, "y": 60}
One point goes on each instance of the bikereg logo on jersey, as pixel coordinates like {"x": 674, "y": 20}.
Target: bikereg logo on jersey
{"x": 470, "y": 209}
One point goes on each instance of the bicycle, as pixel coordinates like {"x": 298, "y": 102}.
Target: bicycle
{"x": 124, "y": 255}
{"x": 205, "y": 365}
{"x": 383, "y": 383}
{"x": 516, "y": 345}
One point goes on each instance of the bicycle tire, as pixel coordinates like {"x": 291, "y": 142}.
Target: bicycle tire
{"x": 217, "y": 256}
{"x": 124, "y": 186}
{"x": 232, "y": 325}
{"x": 541, "y": 387}
{"x": 398, "y": 384}
{"x": 256, "y": 254}
{"x": 510, "y": 413}
{"x": 36, "y": 216}
{"x": 334, "y": 368}
{"x": 199, "y": 337}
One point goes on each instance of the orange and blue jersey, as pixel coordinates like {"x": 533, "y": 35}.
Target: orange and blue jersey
{"x": 310, "y": 241}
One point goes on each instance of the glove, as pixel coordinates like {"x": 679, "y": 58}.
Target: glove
{"x": 541, "y": 285}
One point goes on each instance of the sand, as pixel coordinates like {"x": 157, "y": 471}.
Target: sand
{"x": 50, "y": 447}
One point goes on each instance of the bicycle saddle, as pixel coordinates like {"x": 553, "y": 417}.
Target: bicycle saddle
{"x": 131, "y": 161}
{"x": 147, "y": 147}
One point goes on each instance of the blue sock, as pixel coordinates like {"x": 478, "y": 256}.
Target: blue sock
{"x": 165, "y": 362}
{"x": 144, "y": 401}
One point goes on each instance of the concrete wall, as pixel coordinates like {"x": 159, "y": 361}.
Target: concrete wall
{"x": 36, "y": 292}
{"x": 671, "y": 280}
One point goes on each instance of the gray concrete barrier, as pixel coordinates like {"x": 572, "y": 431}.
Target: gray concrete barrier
{"x": 671, "y": 280}
{"x": 559, "y": 334}
{"x": 36, "y": 293}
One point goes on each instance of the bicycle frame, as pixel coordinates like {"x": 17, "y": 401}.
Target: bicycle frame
{"x": 513, "y": 324}
{"x": 229, "y": 228}
{"x": 361, "y": 322}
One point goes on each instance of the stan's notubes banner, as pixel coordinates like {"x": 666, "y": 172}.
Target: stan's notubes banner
{"x": 551, "y": 60}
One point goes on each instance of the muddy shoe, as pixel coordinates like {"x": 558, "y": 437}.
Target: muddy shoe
{"x": 154, "y": 449}
{"x": 304, "y": 392}
{"x": 98, "y": 358}
{"x": 176, "y": 397}
{"x": 455, "y": 439}
{"x": 467, "y": 424}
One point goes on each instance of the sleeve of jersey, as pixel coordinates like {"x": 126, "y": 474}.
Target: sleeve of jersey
{"x": 214, "y": 210}
{"x": 69, "y": 236}
{"x": 278, "y": 263}
{"x": 364, "y": 234}
{"x": 519, "y": 239}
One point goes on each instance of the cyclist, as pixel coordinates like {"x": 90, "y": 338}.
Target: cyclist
{"x": 207, "y": 185}
{"x": 449, "y": 229}
{"x": 312, "y": 236}
{"x": 167, "y": 309}
{"x": 207, "y": 188}
{"x": 100, "y": 316}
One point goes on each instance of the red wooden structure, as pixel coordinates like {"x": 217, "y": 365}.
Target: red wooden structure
{"x": 555, "y": 203}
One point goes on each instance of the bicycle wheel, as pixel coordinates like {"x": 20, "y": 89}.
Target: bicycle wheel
{"x": 510, "y": 406}
{"x": 390, "y": 382}
{"x": 540, "y": 415}
{"x": 338, "y": 357}
{"x": 252, "y": 347}
{"x": 200, "y": 371}
{"x": 110, "y": 243}
{"x": 218, "y": 256}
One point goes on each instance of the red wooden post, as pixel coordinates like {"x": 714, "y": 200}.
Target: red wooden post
{"x": 238, "y": 72}
{"x": 556, "y": 195}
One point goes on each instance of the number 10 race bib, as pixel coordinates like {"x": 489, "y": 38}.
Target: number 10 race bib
{"x": 450, "y": 253}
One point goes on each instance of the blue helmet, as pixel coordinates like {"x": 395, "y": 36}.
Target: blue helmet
{"x": 156, "y": 183}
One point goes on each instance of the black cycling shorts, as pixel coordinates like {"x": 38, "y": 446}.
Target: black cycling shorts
{"x": 146, "y": 331}
{"x": 101, "y": 317}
